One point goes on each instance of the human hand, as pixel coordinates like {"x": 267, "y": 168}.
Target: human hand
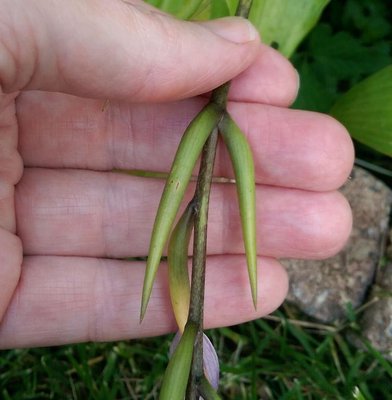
{"x": 67, "y": 221}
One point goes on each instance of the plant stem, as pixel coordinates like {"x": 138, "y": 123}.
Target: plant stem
{"x": 243, "y": 8}
{"x": 201, "y": 201}
{"x": 199, "y": 259}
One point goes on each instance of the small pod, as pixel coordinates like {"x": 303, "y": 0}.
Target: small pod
{"x": 177, "y": 258}
{"x": 207, "y": 391}
{"x": 242, "y": 160}
{"x": 177, "y": 372}
{"x": 184, "y": 162}
{"x": 210, "y": 359}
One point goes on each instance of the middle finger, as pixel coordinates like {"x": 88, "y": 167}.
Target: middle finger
{"x": 104, "y": 214}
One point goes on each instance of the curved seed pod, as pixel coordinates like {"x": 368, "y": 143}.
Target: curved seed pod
{"x": 184, "y": 162}
{"x": 177, "y": 258}
{"x": 176, "y": 375}
{"x": 242, "y": 160}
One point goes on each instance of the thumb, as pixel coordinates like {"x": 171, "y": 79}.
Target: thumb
{"x": 118, "y": 49}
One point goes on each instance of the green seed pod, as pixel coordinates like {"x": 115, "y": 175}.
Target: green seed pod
{"x": 206, "y": 390}
{"x": 242, "y": 160}
{"x": 184, "y": 162}
{"x": 177, "y": 258}
{"x": 176, "y": 375}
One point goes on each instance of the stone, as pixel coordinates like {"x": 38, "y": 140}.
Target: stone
{"x": 324, "y": 289}
{"x": 376, "y": 321}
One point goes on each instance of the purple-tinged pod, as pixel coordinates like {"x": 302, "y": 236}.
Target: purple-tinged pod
{"x": 177, "y": 372}
{"x": 177, "y": 258}
{"x": 184, "y": 162}
{"x": 210, "y": 359}
{"x": 242, "y": 161}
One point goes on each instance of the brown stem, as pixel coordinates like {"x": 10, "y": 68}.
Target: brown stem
{"x": 199, "y": 259}
{"x": 201, "y": 199}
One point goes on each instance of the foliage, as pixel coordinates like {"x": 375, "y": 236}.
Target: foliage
{"x": 281, "y": 23}
{"x": 279, "y": 358}
{"x": 366, "y": 111}
{"x": 352, "y": 42}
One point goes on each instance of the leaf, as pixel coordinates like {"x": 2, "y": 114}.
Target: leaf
{"x": 329, "y": 63}
{"x": 366, "y": 111}
{"x": 179, "y": 8}
{"x": 344, "y": 56}
{"x": 219, "y": 9}
{"x": 284, "y": 23}
{"x": 314, "y": 94}
{"x": 370, "y": 20}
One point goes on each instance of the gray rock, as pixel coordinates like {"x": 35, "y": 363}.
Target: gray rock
{"x": 376, "y": 321}
{"x": 323, "y": 289}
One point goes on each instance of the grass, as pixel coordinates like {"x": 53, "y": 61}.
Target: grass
{"x": 274, "y": 358}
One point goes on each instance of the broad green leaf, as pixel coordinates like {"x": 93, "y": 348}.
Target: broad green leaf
{"x": 284, "y": 23}
{"x": 366, "y": 111}
{"x": 210, "y": 9}
{"x": 331, "y": 62}
{"x": 179, "y": 8}
{"x": 219, "y": 9}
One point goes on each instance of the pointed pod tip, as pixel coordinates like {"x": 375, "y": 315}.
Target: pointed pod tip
{"x": 141, "y": 317}
{"x": 143, "y": 308}
{"x": 253, "y": 281}
{"x": 254, "y": 298}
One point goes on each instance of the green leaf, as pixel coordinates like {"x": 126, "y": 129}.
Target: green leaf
{"x": 314, "y": 93}
{"x": 352, "y": 42}
{"x": 184, "y": 162}
{"x": 219, "y": 9}
{"x": 179, "y": 8}
{"x": 344, "y": 56}
{"x": 366, "y": 111}
{"x": 284, "y": 23}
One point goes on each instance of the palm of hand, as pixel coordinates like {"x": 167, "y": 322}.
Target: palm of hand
{"x": 77, "y": 219}
{"x": 67, "y": 221}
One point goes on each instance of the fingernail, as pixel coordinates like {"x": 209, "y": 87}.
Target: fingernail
{"x": 235, "y": 29}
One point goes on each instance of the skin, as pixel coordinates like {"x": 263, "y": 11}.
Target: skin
{"x": 66, "y": 220}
